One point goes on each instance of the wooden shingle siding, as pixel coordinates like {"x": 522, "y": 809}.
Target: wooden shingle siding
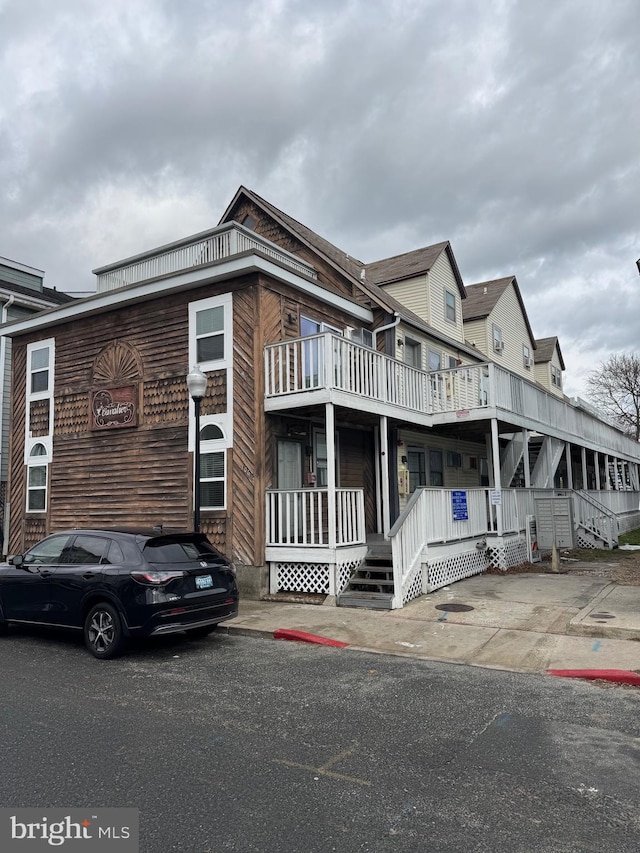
{"x": 17, "y": 484}
{"x": 39, "y": 418}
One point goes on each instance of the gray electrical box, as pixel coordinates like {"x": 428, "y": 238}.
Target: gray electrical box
{"x": 554, "y": 522}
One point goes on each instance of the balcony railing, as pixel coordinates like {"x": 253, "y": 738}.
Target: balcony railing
{"x": 205, "y": 248}
{"x": 300, "y": 517}
{"x": 329, "y": 362}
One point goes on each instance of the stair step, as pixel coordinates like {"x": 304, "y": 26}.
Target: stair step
{"x": 370, "y": 581}
{"x": 370, "y": 600}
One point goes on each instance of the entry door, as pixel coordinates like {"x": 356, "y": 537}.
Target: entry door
{"x": 417, "y": 464}
{"x": 290, "y": 477}
{"x": 289, "y": 464}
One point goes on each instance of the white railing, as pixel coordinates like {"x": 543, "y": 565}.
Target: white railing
{"x": 300, "y": 517}
{"x": 331, "y": 362}
{"x": 206, "y": 248}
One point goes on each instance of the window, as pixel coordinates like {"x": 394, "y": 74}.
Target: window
{"x": 212, "y": 480}
{"x": 47, "y": 552}
{"x": 436, "y": 477}
{"x": 435, "y": 361}
{"x": 39, "y": 370}
{"x": 37, "y": 479}
{"x": 450, "y": 306}
{"x": 313, "y": 350}
{"x": 556, "y": 376}
{"x": 210, "y": 322}
{"x": 86, "y": 550}
{"x": 452, "y": 361}
{"x": 213, "y": 467}
{"x": 249, "y": 221}
{"x": 40, "y": 357}
{"x": 498, "y": 343}
{"x": 454, "y": 460}
{"x": 412, "y": 353}
{"x": 526, "y": 357}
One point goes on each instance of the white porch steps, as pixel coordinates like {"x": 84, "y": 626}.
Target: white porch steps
{"x": 371, "y": 585}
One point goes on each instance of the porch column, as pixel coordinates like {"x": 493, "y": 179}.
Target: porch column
{"x": 525, "y": 458}
{"x": 607, "y": 474}
{"x": 567, "y": 453}
{"x": 384, "y": 473}
{"x": 585, "y": 484}
{"x": 497, "y": 483}
{"x": 376, "y": 456}
{"x": 596, "y": 458}
{"x": 331, "y": 473}
{"x": 633, "y": 473}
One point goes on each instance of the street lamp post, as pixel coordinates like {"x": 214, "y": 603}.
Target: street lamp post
{"x": 197, "y": 385}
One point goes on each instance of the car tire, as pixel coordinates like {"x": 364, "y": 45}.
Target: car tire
{"x": 103, "y": 631}
{"x": 200, "y": 633}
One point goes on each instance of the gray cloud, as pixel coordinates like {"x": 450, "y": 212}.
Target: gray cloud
{"x": 509, "y": 128}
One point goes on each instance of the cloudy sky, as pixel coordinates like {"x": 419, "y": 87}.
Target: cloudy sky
{"x": 509, "y": 127}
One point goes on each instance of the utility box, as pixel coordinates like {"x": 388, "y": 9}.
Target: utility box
{"x": 554, "y": 522}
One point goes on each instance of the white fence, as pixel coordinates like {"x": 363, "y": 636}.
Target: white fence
{"x": 300, "y": 517}
{"x": 329, "y": 361}
{"x": 216, "y": 245}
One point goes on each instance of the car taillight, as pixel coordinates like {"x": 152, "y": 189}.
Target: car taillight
{"x": 155, "y": 578}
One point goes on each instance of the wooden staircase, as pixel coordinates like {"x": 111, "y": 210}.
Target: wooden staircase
{"x": 371, "y": 584}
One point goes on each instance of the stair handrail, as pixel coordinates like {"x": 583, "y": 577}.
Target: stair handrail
{"x": 408, "y": 542}
{"x": 610, "y": 536}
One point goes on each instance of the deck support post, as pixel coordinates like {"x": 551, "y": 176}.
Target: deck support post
{"x": 567, "y": 453}
{"x": 525, "y": 458}
{"x": 384, "y": 473}
{"x": 331, "y": 473}
{"x": 585, "y": 482}
{"x": 497, "y": 483}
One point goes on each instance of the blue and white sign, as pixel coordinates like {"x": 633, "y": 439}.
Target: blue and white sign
{"x": 459, "y": 505}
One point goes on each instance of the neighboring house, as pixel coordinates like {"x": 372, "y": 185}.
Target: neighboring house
{"x": 348, "y": 425}
{"x": 549, "y": 365}
{"x": 496, "y": 322}
{"x": 22, "y": 294}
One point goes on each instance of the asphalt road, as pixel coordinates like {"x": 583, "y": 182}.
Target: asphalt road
{"x": 239, "y": 744}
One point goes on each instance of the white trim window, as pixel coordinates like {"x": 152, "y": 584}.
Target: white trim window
{"x": 37, "y": 478}
{"x": 526, "y": 357}
{"x": 498, "y": 342}
{"x": 213, "y": 465}
{"x": 210, "y": 332}
{"x": 450, "y": 309}
{"x": 556, "y": 376}
{"x": 40, "y": 363}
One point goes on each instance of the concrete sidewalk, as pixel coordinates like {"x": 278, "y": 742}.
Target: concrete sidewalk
{"x": 520, "y": 622}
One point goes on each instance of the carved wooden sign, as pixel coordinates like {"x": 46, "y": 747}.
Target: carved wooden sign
{"x": 112, "y": 408}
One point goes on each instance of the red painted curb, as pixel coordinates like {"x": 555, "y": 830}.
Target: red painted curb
{"x": 303, "y": 637}
{"x": 620, "y": 676}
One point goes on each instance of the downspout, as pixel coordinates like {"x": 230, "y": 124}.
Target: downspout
{"x": 3, "y": 356}
{"x": 386, "y": 328}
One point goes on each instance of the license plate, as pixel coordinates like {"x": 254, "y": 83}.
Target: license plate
{"x": 203, "y": 581}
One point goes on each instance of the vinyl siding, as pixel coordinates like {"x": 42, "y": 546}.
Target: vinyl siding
{"x": 475, "y": 334}
{"x": 507, "y": 314}
{"x": 441, "y": 278}
{"x": 413, "y": 293}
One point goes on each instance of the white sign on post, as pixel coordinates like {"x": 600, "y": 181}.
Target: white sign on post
{"x": 495, "y": 496}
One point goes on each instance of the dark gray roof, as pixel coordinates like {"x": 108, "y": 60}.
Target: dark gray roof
{"x": 544, "y": 350}
{"x": 483, "y": 297}
{"x": 48, "y": 295}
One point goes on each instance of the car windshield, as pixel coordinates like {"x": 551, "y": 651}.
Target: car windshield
{"x": 178, "y": 549}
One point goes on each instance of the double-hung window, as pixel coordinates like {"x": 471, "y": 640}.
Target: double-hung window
{"x": 39, "y": 421}
{"x": 556, "y": 376}
{"x": 213, "y": 467}
{"x": 37, "y": 472}
{"x": 450, "y": 306}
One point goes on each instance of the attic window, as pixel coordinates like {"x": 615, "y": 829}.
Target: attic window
{"x": 249, "y": 221}
{"x": 450, "y": 306}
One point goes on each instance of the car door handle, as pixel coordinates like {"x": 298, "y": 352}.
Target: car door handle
{"x": 88, "y": 575}
{"x": 45, "y": 574}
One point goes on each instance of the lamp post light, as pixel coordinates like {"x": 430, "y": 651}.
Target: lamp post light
{"x": 197, "y": 385}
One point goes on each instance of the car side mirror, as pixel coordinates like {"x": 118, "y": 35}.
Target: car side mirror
{"x": 18, "y": 560}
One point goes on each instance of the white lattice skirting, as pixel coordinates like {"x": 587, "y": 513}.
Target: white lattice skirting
{"x": 455, "y": 567}
{"x": 311, "y": 577}
{"x": 508, "y": 552}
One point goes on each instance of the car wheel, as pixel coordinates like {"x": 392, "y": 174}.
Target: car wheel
{"x": 199, "y": 633}
{"x": 103, "y": 633}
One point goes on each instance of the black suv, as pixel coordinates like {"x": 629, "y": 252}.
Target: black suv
{"x": 113, "y": 584}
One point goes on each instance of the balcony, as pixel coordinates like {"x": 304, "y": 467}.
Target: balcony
{"x": 204, "y": 249}
{"x": 329, "y": 368}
